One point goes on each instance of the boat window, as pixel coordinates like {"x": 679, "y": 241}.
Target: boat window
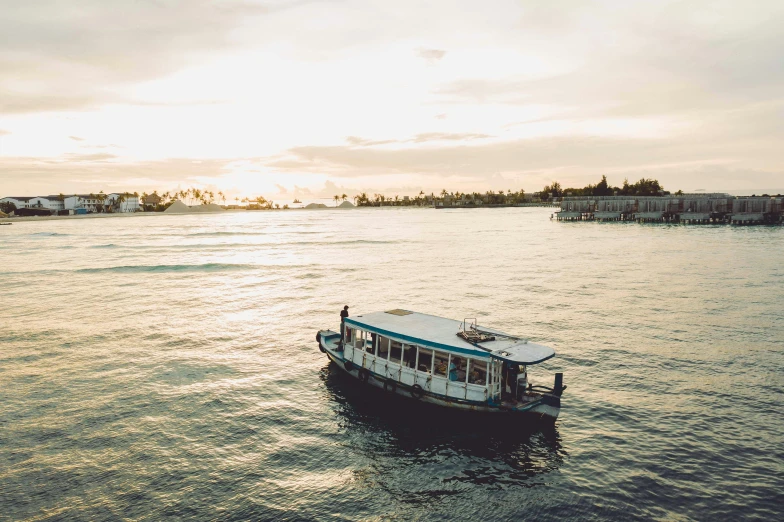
{"x": 395, "y": 351}
{"x": 383, "y": 347}
{"x": 441, "y": 360}
{"x": 477, "y": 372}
{"x": 457, "y": 369}
{"x": 370, "y": 347}
{"x": 425, "y": 363}
{"x": 409, "y": 355}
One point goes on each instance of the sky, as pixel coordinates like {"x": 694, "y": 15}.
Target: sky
{"x": 314, "y": 98}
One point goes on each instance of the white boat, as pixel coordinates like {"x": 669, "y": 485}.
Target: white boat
{"x": 442, "y": 361}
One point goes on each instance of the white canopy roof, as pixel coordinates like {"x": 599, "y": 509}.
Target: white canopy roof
{"x": 439, "y": 332}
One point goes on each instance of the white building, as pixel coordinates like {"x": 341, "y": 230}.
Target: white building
{"x": 43, "y": 202}
{"x": 19, "y": 202}
{"x": 89, "y": 202}
{"x": 124, "y": 202}
{"x": 49, "y": 202}
{"x": 115, "y": 202}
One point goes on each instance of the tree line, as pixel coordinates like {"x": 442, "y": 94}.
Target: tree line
{"x": 643, "y": 187}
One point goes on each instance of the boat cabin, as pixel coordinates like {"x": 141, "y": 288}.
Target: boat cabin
{"x": 451, "y": 359}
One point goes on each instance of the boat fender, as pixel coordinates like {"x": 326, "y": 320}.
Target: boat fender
{"x": 417, "y": 392}
{"x": 349, "y": 366}
{"x": 318, "y": 337}
{"x": 390, "y": 385}
{"x": 363, "y": 375}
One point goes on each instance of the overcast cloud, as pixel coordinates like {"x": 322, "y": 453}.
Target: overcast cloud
{"x": 284, "y": 97}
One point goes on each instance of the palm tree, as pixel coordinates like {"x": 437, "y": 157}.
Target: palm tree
{"x": 222, "y": 196}
{"x": 444, "y": 193}
{"x": 343, "y": 197}
{"x": 117, "y": 203}
{"x": 102, "y": 199}
{"x": 336, "y": 198}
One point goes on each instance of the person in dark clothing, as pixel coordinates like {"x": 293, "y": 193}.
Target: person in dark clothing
{"x": 343, "y": 315}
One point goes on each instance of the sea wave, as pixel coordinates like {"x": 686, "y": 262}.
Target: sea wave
{"x": 206, "y": 267}
{"x": 220, "y": 234}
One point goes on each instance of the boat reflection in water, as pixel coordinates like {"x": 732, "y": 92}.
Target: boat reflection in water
{"x": 416, "y": 452}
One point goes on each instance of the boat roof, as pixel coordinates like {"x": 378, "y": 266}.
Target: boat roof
{"x": 441, "y": 333}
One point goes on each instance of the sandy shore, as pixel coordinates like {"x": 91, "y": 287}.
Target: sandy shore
{"x": 105, "y": 216}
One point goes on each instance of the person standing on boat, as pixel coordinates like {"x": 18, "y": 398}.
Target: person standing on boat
{"x": 343, "y": 315}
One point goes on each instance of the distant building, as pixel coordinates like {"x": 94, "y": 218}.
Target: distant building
{"x": 124, "y": 202}
{"x": 152, "y": 199}
{"x": 88, "y": 202}
{"x": 18, "y": 201}
{"x": 48, "y": 202}
{"x": 114, "y": 202}
{"x": 40, "y": 202}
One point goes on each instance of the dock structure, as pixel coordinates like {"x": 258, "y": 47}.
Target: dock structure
{"x": 686, "y": 209}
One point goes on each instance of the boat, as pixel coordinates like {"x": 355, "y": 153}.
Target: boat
{"x": 446, "y": 362}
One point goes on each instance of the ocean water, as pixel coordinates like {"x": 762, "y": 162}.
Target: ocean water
{"x": 165, "y": 367}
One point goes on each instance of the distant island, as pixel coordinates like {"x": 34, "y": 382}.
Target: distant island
{"x": 198, "y": 200}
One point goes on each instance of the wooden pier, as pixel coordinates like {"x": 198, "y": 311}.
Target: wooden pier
{"x": 687, "y": 209}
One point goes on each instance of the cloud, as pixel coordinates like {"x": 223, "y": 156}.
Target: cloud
{"x": 76, "y": 138}
{"x": 448, "y": 136}
{"x": 281, "y": 188}
{"x": 656, "y": 59}
{"x": 72, "y": 157}
{"x": 75, "y": 173}
{"x": 4, "y": 132}
{"x": 431, "y": 56}
{"x": 683, "y": 162}
{"x": 419, "y": 138}
{"x": 362, "y": 142}
{"x": 74, "y": 55}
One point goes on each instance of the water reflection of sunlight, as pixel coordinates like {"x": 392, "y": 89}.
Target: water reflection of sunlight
{"x": 490, "y": 449}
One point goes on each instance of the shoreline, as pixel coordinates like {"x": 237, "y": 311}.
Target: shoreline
{"x": 15, "y": 219}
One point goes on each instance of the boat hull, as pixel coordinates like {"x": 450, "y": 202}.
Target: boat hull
{"x": 546, "y": 408}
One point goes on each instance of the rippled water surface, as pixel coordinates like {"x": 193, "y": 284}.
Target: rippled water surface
{"x": 157, "y": 367}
